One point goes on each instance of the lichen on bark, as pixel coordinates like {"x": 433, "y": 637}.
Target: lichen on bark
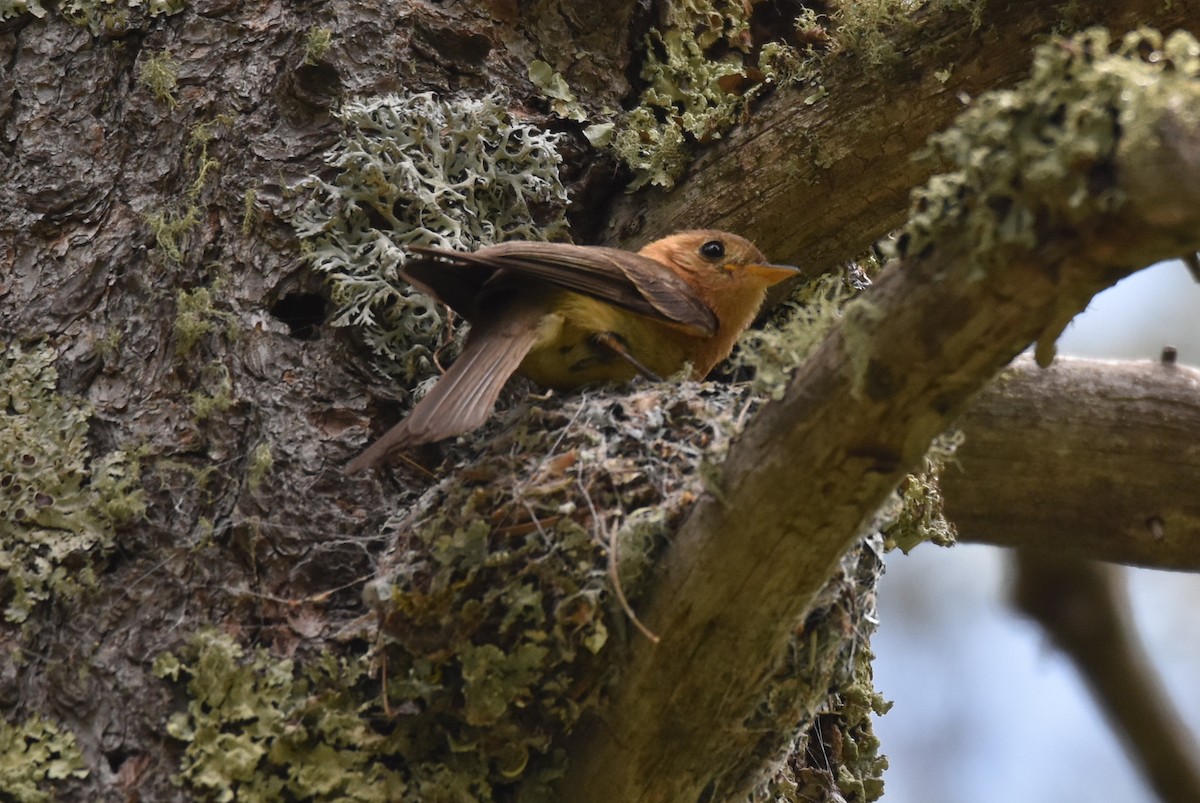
{"x": 60, "y": 505}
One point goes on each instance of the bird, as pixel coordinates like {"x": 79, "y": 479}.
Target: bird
{"x": 567, "y": 315}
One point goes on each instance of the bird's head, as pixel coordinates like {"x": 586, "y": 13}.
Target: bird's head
{"x": 727, "y": 271}
{"x": 717, "y": 260}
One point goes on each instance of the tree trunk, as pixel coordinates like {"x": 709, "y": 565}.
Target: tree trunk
{"x": 199, "y": 604}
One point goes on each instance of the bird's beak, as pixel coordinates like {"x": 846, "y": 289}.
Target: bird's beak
{"x": 773, "y": 274}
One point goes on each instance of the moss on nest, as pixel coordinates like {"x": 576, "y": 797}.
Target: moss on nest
{"x": 824, "y": 688}
{"x": 500, "y": 624}
{"x": 497, "y": 620}
{"x": 500, "y": 617}
{"x": 498, "y": 613}
{"x": 770, "y": 353}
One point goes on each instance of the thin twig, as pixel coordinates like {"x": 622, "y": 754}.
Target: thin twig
{"x": 614, "y": 566}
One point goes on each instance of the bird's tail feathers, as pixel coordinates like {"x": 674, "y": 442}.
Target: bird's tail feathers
{"x": 463, "y": 398}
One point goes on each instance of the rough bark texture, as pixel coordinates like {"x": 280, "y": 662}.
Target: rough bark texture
{"x": 143, "y": 236}
{"x": 143, "y": 244}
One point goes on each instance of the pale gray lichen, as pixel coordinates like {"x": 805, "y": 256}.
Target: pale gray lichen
{"x": 865, "y": 28}
{"x": 1039, "y": 145}
{"x": 422, "y": 170}
{"x": 59, "y": 505}
{"x": 15, "y": 8}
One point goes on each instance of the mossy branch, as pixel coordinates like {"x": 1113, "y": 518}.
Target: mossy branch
{"x": 1083, "y": 174}
{"x": 845, "y": 161}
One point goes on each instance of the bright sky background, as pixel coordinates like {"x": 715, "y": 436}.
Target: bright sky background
{"x": 985, "y": 710}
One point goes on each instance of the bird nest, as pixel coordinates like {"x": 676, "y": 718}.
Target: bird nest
{"x": 507, "y": 600}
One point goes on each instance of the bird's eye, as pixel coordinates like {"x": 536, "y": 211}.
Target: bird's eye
{"x": 713, "y": 249}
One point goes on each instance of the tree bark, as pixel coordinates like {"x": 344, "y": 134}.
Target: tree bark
{"x": 817, "y": 183}
{"x": 1086, "y": 459}
{"x": 144, "y": 241}
{"x": 859, "y": 414}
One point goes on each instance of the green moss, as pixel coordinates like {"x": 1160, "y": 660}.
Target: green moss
{"x": 260, "y": 728}
{"x": 197, "y": 151}
{"x": 500, "y": 621}
{"x": 773, "y": 351}
{"x": 250, "y": 213}
{"x": 316, "y": 43}
{"x": 196, "y": 316}
{"x": 193, "y": 318}
{"x": 1041, "y": 155}
{"x": 916, "y": 513}
{"x": 170, "y": 230}
{"x": 108, "y": 345}
{"x": 59, "y": 504}
{"x": 33, "y": 755}
{"x": 160, "y": 74}
{"x": 455, "y": 172}
{"x": 261, "y": 463}
{"x": 171, "y": 226}
{"x": 215, "y": 394}
{"x": 699, "y": 71}
{"x": 101, "y": 17}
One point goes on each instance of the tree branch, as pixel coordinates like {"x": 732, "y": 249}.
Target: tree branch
{"x": 1079, "y": 605}
{"x": 996, "y": 260}
{"x": 1087, "y": 459}
{"x": 816, "y": 184}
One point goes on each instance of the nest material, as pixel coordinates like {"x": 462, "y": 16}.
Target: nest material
{"x": 500, "y": 618}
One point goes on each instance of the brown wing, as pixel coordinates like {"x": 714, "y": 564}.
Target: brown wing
{"x": 463, "y": 398}
{"x": 628, "y": 280}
